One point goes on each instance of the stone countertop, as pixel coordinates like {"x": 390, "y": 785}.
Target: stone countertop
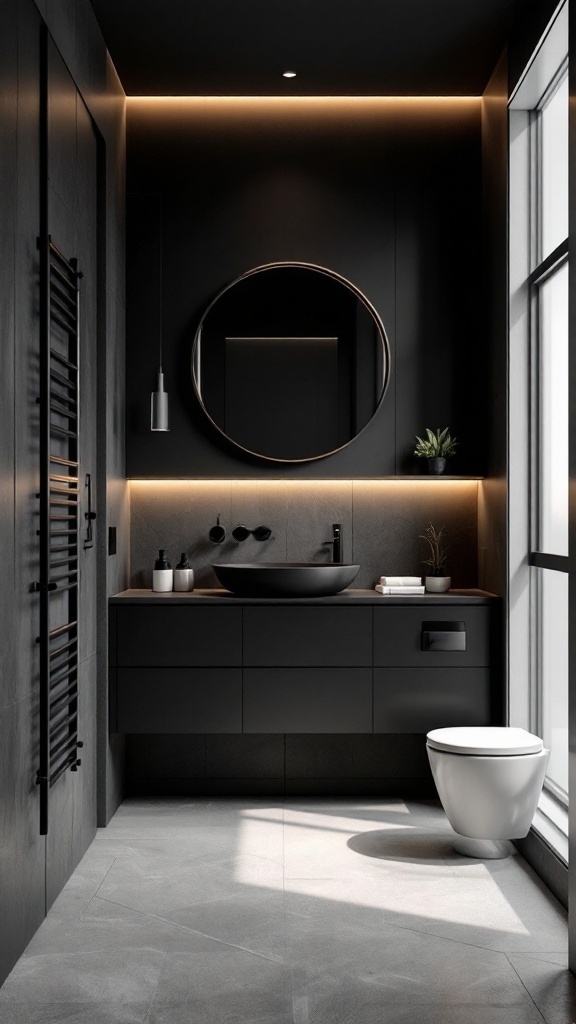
{"x": 348, "y": 596}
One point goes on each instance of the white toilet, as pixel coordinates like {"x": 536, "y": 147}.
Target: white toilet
{"x": 489, "y": 779}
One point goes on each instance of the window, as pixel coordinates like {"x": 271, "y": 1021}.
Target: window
{"x": 549, "y": 427}
{"x": 539, "y": 417}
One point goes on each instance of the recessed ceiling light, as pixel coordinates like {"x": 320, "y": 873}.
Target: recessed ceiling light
{"x": 288, "y": 74}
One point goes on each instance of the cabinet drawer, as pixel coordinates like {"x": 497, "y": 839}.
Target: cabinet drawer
{"x": 174, "y": 635}
{"x": 308, "y": 700}
{"x": 308, "y": 635}
{"x": 422, "y": 636}
{"x": 165, "y": 700}
{"x": 417, "y": 700}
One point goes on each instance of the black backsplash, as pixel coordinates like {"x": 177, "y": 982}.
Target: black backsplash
{"x": 381, "y": 519}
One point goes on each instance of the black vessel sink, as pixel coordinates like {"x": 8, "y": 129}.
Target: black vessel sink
{"x": 286, "y": 579}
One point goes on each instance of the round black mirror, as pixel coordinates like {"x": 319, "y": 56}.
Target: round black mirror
{"x": 290, "y": 362}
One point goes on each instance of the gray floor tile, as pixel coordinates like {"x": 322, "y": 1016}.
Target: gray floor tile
{"x": 195, "y": 813}
{"x": 227, "y": 987}
{"x": 219, "y": 1012}
{"x": 106, "y": 927}
{"x": 551, "y": 986}
{"x": 73, "y": 1013}
{"x": 122, "y": 976}
{"x": 394, "y": 966}
{"x": 255, "y": 925}
{"x": 435, "y": 901}
{"x": 560, "y": 959}
{"x": 384, "y": 1013}
{"x": 310, "y": 853}
{"x": 164, "y": 886}
{"x": 308, "y": 911}
{"x": 82, "y": 886}
{"x": 382, "y": 993}
{"x": 217, "y": 843}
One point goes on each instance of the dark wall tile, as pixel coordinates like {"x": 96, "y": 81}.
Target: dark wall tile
{"x": 389, "y": 518}
{"x": 245, "y": 757}
{"x": 178, "y": 516}
{"x": 401, "y": 756}
{"x": 312, "y": 510}
{"x": 165, "y": 757}
{"x": 381, "y": 520}
{"x": 246, "y": 763}
{"x": 205, "y": 787}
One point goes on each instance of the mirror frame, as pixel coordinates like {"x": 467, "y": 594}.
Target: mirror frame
{"x": 336, "y": 277}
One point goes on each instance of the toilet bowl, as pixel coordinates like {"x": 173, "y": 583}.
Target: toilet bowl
{"x": 488, "y": 779}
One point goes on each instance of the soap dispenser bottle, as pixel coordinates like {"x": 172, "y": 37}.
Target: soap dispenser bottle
{"x": 162, "y": 575}
{"x": 183, "y": 575}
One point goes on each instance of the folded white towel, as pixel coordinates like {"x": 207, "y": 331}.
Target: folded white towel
{"x": 400, "y": 581}
{"x": 399, "y": 590}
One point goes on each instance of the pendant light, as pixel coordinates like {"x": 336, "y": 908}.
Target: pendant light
{"x": 159, "y": 419}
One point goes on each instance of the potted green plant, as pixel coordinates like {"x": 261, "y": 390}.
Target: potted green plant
{"x": 436, "y": 580}
{"x": 436, "y": 447}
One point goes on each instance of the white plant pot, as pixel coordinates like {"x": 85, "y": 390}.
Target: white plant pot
{"x": 437, "y": 584}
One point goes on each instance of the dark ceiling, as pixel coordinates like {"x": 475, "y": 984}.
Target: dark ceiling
{"x": 337, "y": 47}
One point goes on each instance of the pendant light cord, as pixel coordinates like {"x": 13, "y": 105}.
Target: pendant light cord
{"x": 161, "y": 281}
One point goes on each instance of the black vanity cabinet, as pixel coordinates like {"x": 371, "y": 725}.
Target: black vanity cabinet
{"x": 307, "y": 669}
{"x": 434, "y": 667}
{"x": 176, "y": 669}
{"x": 356, "y": 663}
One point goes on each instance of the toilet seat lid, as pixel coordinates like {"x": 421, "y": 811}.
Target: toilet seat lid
{"x": 485, "y": 739}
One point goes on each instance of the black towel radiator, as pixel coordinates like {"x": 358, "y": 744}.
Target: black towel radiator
{"x": 59, "y": 519}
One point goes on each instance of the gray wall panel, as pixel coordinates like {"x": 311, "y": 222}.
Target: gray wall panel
{"x": 26, "y": 327}
{"x": 87, "y": 248}
{"x": 8, "y": 189}
{"x": 22, "y": 851}
{"x": 72, "y": 823}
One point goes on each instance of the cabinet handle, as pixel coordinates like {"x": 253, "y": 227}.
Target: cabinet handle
{"x": 443, "y": 636}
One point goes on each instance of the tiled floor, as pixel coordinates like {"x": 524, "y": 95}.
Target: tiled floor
{"x": 293, "y": 912}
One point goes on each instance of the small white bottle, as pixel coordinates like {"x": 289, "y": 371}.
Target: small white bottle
{"x": 183, "y": 575}
{"x": 162, "y": 575}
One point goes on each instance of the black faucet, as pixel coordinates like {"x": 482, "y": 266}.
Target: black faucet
{"x": 336, "y": 542}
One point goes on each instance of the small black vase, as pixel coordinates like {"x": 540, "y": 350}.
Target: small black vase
{"x": 436, "y": 466}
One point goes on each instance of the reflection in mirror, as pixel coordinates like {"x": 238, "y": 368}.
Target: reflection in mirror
{"x": 290, "y": 362}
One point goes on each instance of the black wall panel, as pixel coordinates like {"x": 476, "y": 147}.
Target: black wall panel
{"x": 386, "y": 193}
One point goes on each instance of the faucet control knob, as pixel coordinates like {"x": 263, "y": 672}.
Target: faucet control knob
{"x": 217, "y": 533}
{"x": 262, "y": 533}
{"x": 259, "y": 533}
